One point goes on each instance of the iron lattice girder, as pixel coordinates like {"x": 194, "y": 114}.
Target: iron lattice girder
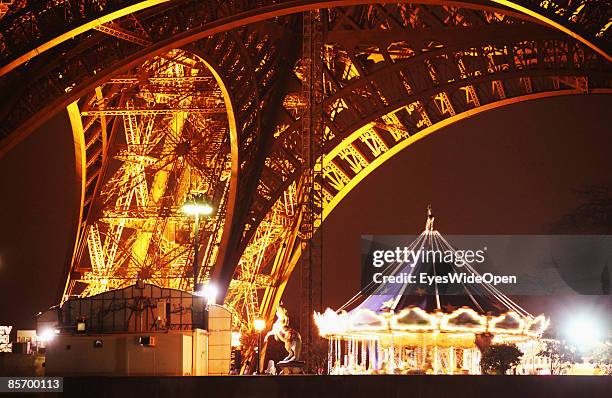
{"x": 31, "y": 24}
{"x": 72, "y": 68}
{"x": 223, "y": 52}
{"x": 251, "y": 60}
{"x": 247, "y": 82}
{"x": 533, "y": 58}
{"x": 383, "y": 88}
{"x": 158, "y": 80}
{"x": 142, "y": 136}
{"x": 286, "y": 58}
{"x": 456, "y": 75}
{"x": 152, "y": 112}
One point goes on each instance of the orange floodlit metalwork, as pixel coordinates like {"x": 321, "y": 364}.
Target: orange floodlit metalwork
{"x": 560, "y": 14}
{"x": 219, "y": 100}
{"x": 166, "y": 140}
{"x": 4, "y": 7}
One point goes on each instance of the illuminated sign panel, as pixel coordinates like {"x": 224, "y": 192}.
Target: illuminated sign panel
{"x": 5, "y": 338}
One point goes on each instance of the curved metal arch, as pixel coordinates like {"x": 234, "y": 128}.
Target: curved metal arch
{"x": 233, "y": 113}
{"x": 283, "y": 164}
{"x": 563, "y": 16}
{"x": 290, "y": 256}
{"x": 391, "y": 79}
{"x": 451, "y": 91}
{"x": 553, "y": 76}
{"x": 405, "y": 142}
{"x": 77, "y": 21}
{"x": 214, "y": 19}
{"x": 89, "y": 128}
{"x": 242, "y": 99}
{"x": 62, "y": 79}
{"x": 90, "y": 148}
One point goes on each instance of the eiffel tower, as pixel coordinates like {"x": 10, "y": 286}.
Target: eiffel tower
{"x": 272, "y": 110}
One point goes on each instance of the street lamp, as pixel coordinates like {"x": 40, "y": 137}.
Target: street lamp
{"x": 196, "y": 206}
{"x": 259, "y": 325}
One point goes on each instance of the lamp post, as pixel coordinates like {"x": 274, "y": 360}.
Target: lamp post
{"x": 196, "y": 206}
{"x": 259, "y": 325}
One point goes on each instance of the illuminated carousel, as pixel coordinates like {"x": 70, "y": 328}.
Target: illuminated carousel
{"x": 436, "y": 328}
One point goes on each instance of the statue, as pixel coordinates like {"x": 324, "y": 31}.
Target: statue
{"x": 282, "y": 332}
{"x": 430, "y": 220}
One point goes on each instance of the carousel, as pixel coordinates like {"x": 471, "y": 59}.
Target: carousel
{"x": 432, "y": 328}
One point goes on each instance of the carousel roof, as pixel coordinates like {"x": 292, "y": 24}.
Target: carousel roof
{"x": 476, "y": 307}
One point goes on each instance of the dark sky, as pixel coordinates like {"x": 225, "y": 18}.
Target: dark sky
{"x": 507, "y": 171}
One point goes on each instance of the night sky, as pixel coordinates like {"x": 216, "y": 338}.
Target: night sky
{"x": 508, "y": 171}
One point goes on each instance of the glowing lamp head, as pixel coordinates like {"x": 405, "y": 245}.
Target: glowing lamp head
{"x": 196, "y": 205}
{"x": 259, "y": 325}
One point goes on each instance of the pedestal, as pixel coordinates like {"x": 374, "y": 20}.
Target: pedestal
{"x": 291, "y": 367}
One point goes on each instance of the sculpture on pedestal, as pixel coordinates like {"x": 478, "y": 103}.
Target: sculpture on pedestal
{"x": 282, "y": 332}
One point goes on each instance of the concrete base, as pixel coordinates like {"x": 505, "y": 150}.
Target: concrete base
{"x": 339, "y": 386}
{"x": 173, "y": 353}
{"x": 21, "y": 365}
{"x": 291, "y": 367}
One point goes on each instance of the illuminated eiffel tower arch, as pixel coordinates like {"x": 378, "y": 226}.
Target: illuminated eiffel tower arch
{"x": 274, "y": 110}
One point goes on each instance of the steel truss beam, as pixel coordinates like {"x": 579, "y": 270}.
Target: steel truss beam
{"x": 52, "y": 23}
{"x": 433, "y": 81}
{"x": 391, "y": 73}
{"x": 82, "y": 62}
{"x": 132, "y": 234}
{"x": 376, "y": 103}
{"x": 150, "y": 112}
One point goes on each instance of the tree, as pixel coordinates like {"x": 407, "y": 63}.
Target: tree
{"x": 499, "y": 358}
{"x": 593, "y": 215}
{"x": 248, "y": 344}
{"x": 560, "y": 356}
{"x": 602, "y": 358}
{"x": 318, "y": 356}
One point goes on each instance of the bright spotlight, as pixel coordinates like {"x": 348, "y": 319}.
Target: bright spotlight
{"x": 583, "y": 331}
{"x": 236, "y": 339}
{"x": 46, "y": 335}
{"x": 259, "y": 325}
{"x": 209, "y": 291}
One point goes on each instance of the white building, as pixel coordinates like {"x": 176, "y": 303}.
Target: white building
{"x": 143, "y": 330}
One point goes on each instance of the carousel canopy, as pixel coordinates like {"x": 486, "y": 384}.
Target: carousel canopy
{"x": 431, "y": 304}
